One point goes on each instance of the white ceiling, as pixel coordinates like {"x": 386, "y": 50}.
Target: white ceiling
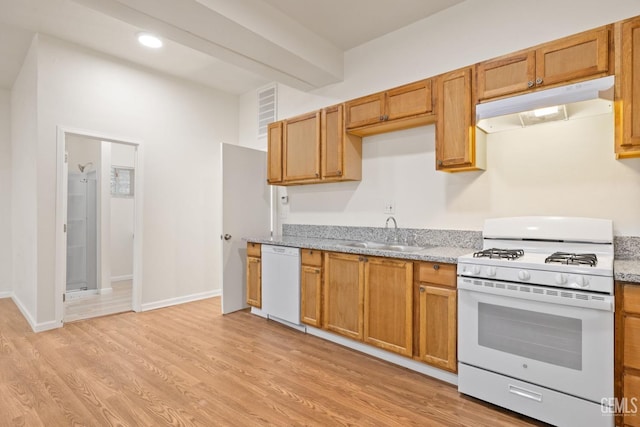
{"x": 231, "y": 45}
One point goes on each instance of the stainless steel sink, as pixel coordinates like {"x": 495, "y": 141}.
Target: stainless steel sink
{"x": 382, "y": 246}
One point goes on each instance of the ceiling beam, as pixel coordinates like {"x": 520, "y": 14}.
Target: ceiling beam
{"x": 253, "y": 36}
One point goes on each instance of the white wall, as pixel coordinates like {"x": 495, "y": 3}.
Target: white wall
{"x": 122, "y": 211}
{"x": 399, "y": 166}
{"x": 181, "y": 126}
{"x": 24, "y": 173}
{"x": 5, "y": 193}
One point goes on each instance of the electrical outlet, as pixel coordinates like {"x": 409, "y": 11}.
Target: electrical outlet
{"x": 389, "y": 207}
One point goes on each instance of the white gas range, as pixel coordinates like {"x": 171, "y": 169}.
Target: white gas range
{"x": 535, "y": 318}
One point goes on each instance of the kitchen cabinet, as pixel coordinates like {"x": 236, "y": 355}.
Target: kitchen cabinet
{"x": 458, "y": 146}
{"x": 341, "y": 152}
{"x": 577, "y": 57}
{"x": 301, "y": 148}
{"x": 343, "y": 294}
{"x": 254, "y": 282}
{"x": 274, "y": 152}
{"x": 627, "y": 351}
{"x": 313, "y": 148}
{"x": 627, "y": 36}
{"x": 311, "y": 287}
{"x": 395, "y": 109}
{"x": 388, "y": 304}
{"x": 436, "y": 319}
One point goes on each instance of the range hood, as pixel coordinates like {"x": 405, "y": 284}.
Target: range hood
{"x": 582, "y": 99}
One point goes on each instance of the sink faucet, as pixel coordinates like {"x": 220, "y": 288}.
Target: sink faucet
{"x": 395, "y": 224}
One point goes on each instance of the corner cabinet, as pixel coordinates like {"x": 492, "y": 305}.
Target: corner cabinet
{"x": 456, "y": 146}
{"x": 313, "y": 148}
{"x": 581, "y": 56}
{"x": 628, "y": 88}
{"x": 403, "y": 107}
{"x": 254, "y": 275}
{"x": 436, "y": 317}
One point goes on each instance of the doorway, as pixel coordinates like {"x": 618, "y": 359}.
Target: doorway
{"x": 98, "y": 252}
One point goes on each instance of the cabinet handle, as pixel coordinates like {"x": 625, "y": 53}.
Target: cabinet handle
{"x": 422, "y": 289}
{"x": 436, "y": 266}
{"x": 530, "y": 83}
{"x": 539, "y": 81}
{"x": 386, "y": 117}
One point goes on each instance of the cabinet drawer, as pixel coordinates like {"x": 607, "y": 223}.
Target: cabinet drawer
{"x": 253, "y": 249}
{"x": 632, "y": 299}
{"x": 437, "y": 273}
{"x": 311, "y": 257}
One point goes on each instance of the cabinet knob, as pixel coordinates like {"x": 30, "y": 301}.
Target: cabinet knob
{"x": 339, "y": 173}
{"x": 422, "y": 289}
{"x": 436, "y": 266}
{"x": 382, "y": 118}
{"x": 530, "y": 83}
{"x": 539, "y": 81}
{"x": 439, "y": 162}
{"x": 317, "y": 174}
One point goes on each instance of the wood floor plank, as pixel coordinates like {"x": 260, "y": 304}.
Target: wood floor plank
{"x": 189, "y": 365}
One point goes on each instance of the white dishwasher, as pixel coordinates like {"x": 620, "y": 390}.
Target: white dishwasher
{"x": 281, "y": 283}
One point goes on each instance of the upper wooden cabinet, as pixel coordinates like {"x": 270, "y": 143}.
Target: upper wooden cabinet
{"x": 578, "y": 57}
{"x": 627, "y": 36}
{"x": 399, "y": 108}
{"x": 456, "y": 145}
{"x": 313, "y": 148}
{"x": 388, "y": 304}
{"x": 301, "y": 148}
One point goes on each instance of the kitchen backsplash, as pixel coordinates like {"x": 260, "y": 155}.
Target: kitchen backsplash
{"x": 626, "y": 247}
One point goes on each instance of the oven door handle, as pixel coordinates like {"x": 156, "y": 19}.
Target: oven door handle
{"x": 522, "y": 392}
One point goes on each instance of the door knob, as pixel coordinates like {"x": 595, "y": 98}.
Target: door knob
{"x": 225, "y": 237}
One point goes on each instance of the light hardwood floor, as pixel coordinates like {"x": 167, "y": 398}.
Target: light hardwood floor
{"x": 118, "y": 301}
{"x": 190, "y": 366}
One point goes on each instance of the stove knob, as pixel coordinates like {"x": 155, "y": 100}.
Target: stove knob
{"x": 582, "y": 281}
{"x": 561, "y": 279}
{"x": 474, "y": 269}
{"x": 491, "y": 271}
{"x": 524, "y": 275}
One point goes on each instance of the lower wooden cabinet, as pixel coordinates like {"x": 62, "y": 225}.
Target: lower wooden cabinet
{"x": 254, "y": 281}
{"x": 343, "y": 294}
{"x": 388, "y": 304}
{"x": 627, "y": 353}
{"x": 311, "y": 288}
{"x": 436, "y": 315}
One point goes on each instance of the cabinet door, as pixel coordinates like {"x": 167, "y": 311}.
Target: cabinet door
{"x": 409, "y": 100}
{"x": 310, "y": 294}
{"x": 301, "y": 156}
{"x": 333, "y": 142}
{"x": 274, "y": 153}
{"x": 343, "y": 294}
{"x": 388, "y": 302}
{"x": 254, "y": 282}
{"x": 454, "y": 126}
{"x": 583, "y": 55}
{"x": 631, "y": 384}
{"x": 628, "y": 79}
{"x": 506, "y": 75}
{"x": 438, "y": 327}
{"x": 365, "y": 111}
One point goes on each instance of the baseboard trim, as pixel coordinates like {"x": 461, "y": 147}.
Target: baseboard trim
{"x": 103, "y": 291}
{"x": 180, "y": 300}
{"x": 6, "y": 294}
{"x": 386, "y": 355}
{"x": 36, "y": 327}
{"x": 122, "y": 278}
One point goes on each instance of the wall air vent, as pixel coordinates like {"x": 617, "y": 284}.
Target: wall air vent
{"x": 267, "y": 104}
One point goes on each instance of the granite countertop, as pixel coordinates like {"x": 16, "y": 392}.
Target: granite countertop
{"x": 626, "y": 270}
{"x": 432, "y": 253}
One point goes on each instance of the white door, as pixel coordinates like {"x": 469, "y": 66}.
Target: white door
{"x": 246, "y": 211}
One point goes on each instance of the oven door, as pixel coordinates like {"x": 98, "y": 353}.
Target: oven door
{"x": 560, "y": 342}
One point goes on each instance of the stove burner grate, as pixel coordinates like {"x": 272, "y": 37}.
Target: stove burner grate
{"x": 572, "y": 259}
{"x": 499, "y": 253}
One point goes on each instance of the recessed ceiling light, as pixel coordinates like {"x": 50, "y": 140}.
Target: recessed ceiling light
{"x": 149, "y": 40}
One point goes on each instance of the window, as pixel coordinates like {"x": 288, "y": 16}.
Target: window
{"x": 122, "y": 181}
